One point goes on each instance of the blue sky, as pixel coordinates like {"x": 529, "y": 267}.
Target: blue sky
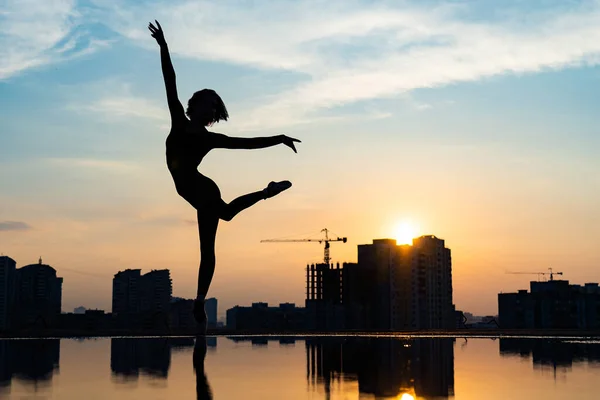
{"x": 476, "y": 120}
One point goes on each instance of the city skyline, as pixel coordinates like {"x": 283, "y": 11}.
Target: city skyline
{"x": 475, "y": 124}
{"x": 401, "y": 247}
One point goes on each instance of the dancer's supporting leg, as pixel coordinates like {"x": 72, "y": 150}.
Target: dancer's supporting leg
{"x": 208, "y": 221}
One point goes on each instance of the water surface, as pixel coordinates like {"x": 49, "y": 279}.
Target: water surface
{"x": 299, "y": 368}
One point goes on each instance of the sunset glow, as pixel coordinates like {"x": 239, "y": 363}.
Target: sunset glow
{"x": 405, "y": 232}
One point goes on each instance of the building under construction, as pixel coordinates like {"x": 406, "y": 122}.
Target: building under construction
{"x": 329, "y": 295}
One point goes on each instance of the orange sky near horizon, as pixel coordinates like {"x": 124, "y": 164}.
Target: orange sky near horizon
{"x": 161, "y": 233}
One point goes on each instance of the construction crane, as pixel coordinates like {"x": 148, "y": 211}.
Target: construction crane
{"x": 551, "y": 273}
{"x": 325, "y": 240}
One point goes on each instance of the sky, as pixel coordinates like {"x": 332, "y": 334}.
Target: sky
{"x": 474, "y": 121}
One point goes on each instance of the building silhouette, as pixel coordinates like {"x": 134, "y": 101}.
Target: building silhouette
{"x": 90, "y": 320}
{"x": 125, "y": 295}
{"x": 387, "y": 270}
{"x": 551, "y": 305}
{"x": 141, "y": 300}
{"x": 261, "y": 317}
{"x": 391, "y": 287}
{"x": 383, "y": 367}
{"x": 7, "y": 290}
{"x": 210, "y": 306}
{"x": 181, "y": 314}
{"x": 38, "y": 296}
{"x": 324, "y": 291}
{"x": 432, "y": 306}
{"x": 156, "y": 290}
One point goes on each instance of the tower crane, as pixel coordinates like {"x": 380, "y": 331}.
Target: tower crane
{"x": 551, "y": 273}
{"x": 325, "y": 240}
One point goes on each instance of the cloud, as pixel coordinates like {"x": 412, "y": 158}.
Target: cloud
{"x": 350, "y": 51}
{"x": 109, "y": 165}
{"x": 14, "y": 226}
{"x": 36, "y": 33}
{"x": 114, "y": 99}
{"x": 342, "y": 52}
{"x": 120, "y": 106}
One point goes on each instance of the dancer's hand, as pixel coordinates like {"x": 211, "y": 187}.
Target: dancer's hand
{"x": 157, "y": 33}
{"x": 289, "y": 142}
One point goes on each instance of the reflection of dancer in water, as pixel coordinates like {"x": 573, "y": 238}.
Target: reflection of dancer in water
{"x": 187, "y": 144}
{"x": 203, "y": 391}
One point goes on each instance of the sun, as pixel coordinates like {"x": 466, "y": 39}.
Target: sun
{"x": 405, "y": 232}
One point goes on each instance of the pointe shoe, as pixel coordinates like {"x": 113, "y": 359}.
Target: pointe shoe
{"x": 274, "y": 188}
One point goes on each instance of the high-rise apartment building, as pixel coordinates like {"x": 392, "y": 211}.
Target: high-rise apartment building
{"x": 38, "y": 294}
{"x": 155, "y": 291}
{"x": 7, "y": 290}
{"x": 432, "y": 284}
{"x": 137, "y": 296}
{"x": 125, "y": 297}
{"x": 387, "y": 268}
{"x": 210, "y": 306}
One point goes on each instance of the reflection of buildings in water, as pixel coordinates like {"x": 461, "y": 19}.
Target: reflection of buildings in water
{"x": 264, "y": 340}
{"x": 260, "y": 341}
{"x": 287, "y": 341}
{"x": 188, "y": 343}
{"x": 552, "y": 352}
{"x": 181, "y": 344}
{"x": 434, "y": 367}
{"x": 256, "y": 341}
{"x": 129, "y": 357}
{"x": 211, "y": 342}
{"x": 384, "y": 366}
{"x": 33, "y": 361}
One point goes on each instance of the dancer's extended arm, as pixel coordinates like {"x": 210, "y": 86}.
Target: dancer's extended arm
{"x": 175, "y": 107}
{"x": 228, "y": 142}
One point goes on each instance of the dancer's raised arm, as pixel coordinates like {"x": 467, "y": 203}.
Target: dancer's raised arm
{"x": 227, "y": 142}
{"x": 175, "y": 107}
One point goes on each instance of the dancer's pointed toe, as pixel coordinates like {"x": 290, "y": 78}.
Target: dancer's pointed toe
{"x": 274, "y": 188}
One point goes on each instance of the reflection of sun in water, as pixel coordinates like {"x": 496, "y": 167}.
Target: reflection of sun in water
{"x": 406, "y": 396}
{"x": 405, "y": 233}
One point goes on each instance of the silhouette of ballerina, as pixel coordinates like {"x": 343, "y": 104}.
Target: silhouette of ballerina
{"x": 187, "y": 144}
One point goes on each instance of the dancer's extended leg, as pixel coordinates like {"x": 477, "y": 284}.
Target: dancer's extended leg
{"x": 230, "y": 210}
